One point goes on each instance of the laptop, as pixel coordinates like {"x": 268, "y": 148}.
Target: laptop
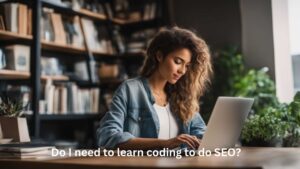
{"x": 226, "y": 122}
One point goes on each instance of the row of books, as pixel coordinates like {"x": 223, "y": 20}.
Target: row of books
{"x": 123, "y": 9}
{"x": 16, "y": 17}
{"x": 67, "y": 30}
{"x": 133, "y": 11}
{"x": 67, "y": 97}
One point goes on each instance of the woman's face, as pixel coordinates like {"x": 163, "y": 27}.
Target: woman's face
{"x": 174, "y": 65}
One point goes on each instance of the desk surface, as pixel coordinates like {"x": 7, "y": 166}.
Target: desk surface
{"x": 248, "y": 158}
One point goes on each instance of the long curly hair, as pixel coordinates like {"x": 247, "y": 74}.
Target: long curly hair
{"x": 184, "y": 95}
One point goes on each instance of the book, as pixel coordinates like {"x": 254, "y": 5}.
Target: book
{"x": 29, "y": 21}
{"x": 68, "y": 98}
{"x": 2, "y": 59}
{"x": 11, "y": 17}
{"x": 58, "y": 27}
{"x": 22, "y": 19}
{"x": 18, "y": 57}
{"x": 49, "y": 96}
{"x": 78, "y": 39}
{"x": 47, "y": 31}
{"x": 2, "y": 25}
{"x": 81, "y": 70}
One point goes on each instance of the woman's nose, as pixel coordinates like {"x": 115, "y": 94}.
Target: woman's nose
{"x": 182, "y": 70}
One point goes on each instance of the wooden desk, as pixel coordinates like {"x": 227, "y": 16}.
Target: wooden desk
{"x": 249, "y": 158}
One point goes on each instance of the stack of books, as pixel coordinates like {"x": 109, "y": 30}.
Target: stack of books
{"x": 15, "y": 17}
{"x": 24, "y": 151}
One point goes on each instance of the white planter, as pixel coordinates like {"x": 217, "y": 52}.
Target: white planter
{"x": 15, "y": 128}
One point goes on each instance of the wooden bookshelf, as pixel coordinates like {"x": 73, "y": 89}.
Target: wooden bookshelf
{"x": 62, "y": 48}
{"x": 12, "y": 74}
{"x": 6, "y": 35}
{"x": 55, "y": 78}
{"x": 92, "y": 15}
{"x": 51, "y": 49}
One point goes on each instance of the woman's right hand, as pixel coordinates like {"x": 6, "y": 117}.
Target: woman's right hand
{"x": 191, "y": 141}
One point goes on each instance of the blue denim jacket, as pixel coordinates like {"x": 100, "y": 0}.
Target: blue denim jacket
{"x": 132, "y": 115}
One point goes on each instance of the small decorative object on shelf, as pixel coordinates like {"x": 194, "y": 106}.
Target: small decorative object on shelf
{"x": 12, "y": 124}
{"x": 2, "y": 59}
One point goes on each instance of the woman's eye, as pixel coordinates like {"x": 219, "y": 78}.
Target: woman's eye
{"x": 177, "y": 61}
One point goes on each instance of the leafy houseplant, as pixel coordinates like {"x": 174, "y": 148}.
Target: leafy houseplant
{"x": 292, "y": 138}
{"x": 280, "y": 122}
{"x": 258, "y": 85}
{"x": 12, "y": 125}
{"x": 265, "y": 129}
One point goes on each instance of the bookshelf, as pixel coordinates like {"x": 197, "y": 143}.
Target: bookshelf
{"x": 40, "y": 47}
{"x": 62, "y": 48}
{"x": 12, "y": 74}
{"x": 6, "y": 35}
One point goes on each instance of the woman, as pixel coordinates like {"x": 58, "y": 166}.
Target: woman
{"x": 160, "y": 108}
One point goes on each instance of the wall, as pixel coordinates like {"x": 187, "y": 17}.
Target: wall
{"x": 257, "y": 33}
{"x": 218, "y": 22}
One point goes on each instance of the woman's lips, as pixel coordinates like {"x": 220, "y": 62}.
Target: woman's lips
{"x": 176, "y": 77}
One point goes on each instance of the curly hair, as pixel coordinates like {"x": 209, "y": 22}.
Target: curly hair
{"x": 184, "y": 95}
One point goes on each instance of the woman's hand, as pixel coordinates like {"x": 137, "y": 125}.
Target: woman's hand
{"x": 191, "y": 141}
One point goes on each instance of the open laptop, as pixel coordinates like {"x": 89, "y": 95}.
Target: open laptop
{"x": 226, "y": 122}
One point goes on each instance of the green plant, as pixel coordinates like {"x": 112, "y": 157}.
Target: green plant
{"x": 11, "y": 108}
{"x": 258, "y": 85}
{"x": 292, "y": 137}
{"x": 265, "y": 126}
{"x": 228, "y": 68}
{"x": 281, "y": 121}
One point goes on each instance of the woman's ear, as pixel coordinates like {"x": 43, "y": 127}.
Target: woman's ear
{"x": 159, "y": 56}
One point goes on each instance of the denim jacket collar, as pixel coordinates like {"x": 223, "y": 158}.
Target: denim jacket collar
{"x": 148, "y": 90}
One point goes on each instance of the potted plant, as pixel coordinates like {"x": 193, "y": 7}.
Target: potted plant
{"x": 264, "y": 129}
{"x": 274, "y": 126}
{"x": 292, "y": 138}
{"x": 12, "y": 124}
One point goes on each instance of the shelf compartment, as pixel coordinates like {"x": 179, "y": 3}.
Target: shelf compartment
{"x": 7, "y": 35}
{"x": 62, "y": 48}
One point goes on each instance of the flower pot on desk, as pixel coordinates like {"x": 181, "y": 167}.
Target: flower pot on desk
{"x": 15, "y": 128}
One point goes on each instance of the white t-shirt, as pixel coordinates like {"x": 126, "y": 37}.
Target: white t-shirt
{"x": 167, "y": 122}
